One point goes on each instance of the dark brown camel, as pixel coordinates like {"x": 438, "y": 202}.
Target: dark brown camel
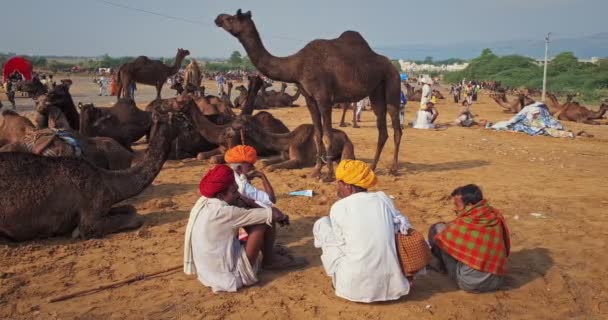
{"x": 573, "y": 111}
{"x": 296, "y": 149}
{"x": 59, "y": 195}
{"x": 34, "y": 88}
{"x": 123, "y": 122}
{"x": 328, "y": 72}
{"x": 149, "y": 72}
{"x": 61, "y": 98}
{"x": 514, "y": 106}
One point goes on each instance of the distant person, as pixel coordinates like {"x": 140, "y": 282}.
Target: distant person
{"x": 427, "y": 91}
{"x": 221, "y": 80}
{"x": 132, "y": 88}
{"x": 469, "y": 93}
{"x": 474, "y": 247}
{"x": 103, "y": 86}
{"x": 402, "y": 104}
{"x": 465, "y": 115}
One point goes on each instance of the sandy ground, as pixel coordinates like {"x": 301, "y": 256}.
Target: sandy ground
{"x": 556, "y": 269}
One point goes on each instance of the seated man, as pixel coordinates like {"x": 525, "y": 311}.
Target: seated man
{"x": 474, "y": 247}
{"x": 358, "y": 238}
{"x": 426, "y": 117}
{"x": 242, "y": 159}
{"x": 211, "y": 247}
{"x": 465, "y": 116}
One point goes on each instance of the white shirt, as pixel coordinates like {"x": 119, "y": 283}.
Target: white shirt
{"x": 215, "y": 246}
{"x": 423, "y": 120}
{"x": 361, "y": 256}
{"x": 247, "y": 189}
{"x": 426, "y": 94}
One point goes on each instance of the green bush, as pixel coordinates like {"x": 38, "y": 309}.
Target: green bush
{"x": 565, "y": 74}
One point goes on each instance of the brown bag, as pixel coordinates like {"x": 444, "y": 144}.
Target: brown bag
{"x": 413, "y": 251}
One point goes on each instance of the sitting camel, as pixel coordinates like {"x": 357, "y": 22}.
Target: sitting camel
{"x": 146, "y": 71}
{"x": 297, "y": 149}
{"x": 514, "y": 106}
{"x": 59, "y": 195}
{"x": 13, "y": 127}
{"x": 573, "y": 111}
{"x": 61, "y": 98}
{"x": 59, "y": 140}
{"x": 123, "y": 122}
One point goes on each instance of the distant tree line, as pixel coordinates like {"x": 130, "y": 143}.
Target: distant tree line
{"x": 565, "y": 74}
{"x": 55, "y": 64}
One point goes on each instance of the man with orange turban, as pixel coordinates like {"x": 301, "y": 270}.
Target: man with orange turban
{"x": 357, "y": 239}
{"x": 242, "y": 160}
{"x": 212, "y": 250}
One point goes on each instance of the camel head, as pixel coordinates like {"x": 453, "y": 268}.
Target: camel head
{"x": 182, "y": 53}
{"x": 91, "y": 118}
{"x": 241, "y": 88}
{"x": 169, "y": 125}
{"x": 235, "y": 24}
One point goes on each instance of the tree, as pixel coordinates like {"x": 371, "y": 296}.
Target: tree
{"x": 428, "y": 60}
{"x": 235, "y": 58}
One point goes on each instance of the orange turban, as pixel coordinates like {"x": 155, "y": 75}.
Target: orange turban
{"x": 357, "y": 173}
{"x": 216, "y": 180}
{"x": 241, "y": 154}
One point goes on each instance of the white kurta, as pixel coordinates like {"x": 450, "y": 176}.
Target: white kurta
{"x": 358, "y": 243}
{"x": 250, "y": 191}
{"x": 219, "y": 258}
{"x": 426, "y": 94}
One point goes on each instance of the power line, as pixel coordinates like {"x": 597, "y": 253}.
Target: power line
{"x": 166, "y": 16}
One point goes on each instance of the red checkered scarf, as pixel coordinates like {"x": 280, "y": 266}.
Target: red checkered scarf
{"x": 479, "y": 238}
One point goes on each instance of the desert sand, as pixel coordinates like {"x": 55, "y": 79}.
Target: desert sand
{"x": 556, "y": 268}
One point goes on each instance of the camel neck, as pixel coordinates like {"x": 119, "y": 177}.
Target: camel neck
{"x": 276, "y": 68}
{"x": 209, "y": 130}
{"x": 124, "y": 184}
{"x": 274, "y": 141}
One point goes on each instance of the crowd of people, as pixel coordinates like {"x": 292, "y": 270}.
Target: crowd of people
{"x": 370, "y": 251}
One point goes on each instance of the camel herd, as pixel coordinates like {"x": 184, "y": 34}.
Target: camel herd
{"x": 568, "y": 111}
{"x": 66, "y": 172}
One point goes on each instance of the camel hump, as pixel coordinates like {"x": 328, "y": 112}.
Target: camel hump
{"x": 353, "y": 37}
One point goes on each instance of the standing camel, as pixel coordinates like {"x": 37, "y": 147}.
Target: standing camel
{"x": 193, "y": 75}
{"x": 328, "y": 72}
{"x": 146, "y": 71}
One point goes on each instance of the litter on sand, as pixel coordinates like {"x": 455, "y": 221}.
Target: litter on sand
{"x": 305, "y": 193}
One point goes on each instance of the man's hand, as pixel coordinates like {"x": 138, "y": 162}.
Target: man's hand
{"x": 279, "y": 217}
{"x": 255, "y": 174}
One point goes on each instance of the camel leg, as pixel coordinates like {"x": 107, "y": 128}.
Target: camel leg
{"x": 117, "y": 219}
{"x": 379, "y": 106}
{"x": 355, "y": 124}
{"x": 344, "y": 109}
{"x": 159, "y": 87}
{"x": 316, "y": 121}
{"x": 325, "y": 107}
{"x": 209, "y": 154}
{"x": 587, "y": 121}
{"x": 271, "y": 160}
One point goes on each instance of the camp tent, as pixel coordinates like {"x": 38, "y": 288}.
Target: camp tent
{"x": 19, "y": 64}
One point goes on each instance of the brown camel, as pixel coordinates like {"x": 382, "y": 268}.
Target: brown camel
{"x": 61, "y": 98}
{"x": 149, "y": 72}
{"x": 573, "y": 111}
{"x": 327, "y": 72}
{"x": 296, "y": 149}
{"x": 59, "y": 140}
{"x": 412, "y": 94}
{"x": 223, "y": 101}
{"x": 59, "y": 195}
{"x": 514, "y": 106}
{"x": 13, "y": 127}
{"x": 123, "y": 122}
{"x": 240, "y": 99}
{"x": 34, "y": 88}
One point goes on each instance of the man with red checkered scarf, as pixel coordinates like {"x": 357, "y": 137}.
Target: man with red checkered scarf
{"x": 474, "y": 247}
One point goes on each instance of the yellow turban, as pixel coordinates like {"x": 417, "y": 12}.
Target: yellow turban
{"x": 357, "y": 173}
{"x": 241, "y": 154}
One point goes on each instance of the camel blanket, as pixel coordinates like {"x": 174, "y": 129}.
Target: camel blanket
{"x": 52, "y": 143}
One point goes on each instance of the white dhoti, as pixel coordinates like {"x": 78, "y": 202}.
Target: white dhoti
{"x": 247, "y": 274}
{"x": 331, "y": 247}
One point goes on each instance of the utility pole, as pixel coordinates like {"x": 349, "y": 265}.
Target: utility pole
{"x": 545, "y": 72}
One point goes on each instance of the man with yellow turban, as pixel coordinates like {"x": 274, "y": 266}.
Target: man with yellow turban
{"x": 357, "y": 239}
{"x": 242, "y": 159}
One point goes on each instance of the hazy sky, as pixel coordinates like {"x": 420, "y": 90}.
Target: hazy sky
{"x": 90, "y": 27}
